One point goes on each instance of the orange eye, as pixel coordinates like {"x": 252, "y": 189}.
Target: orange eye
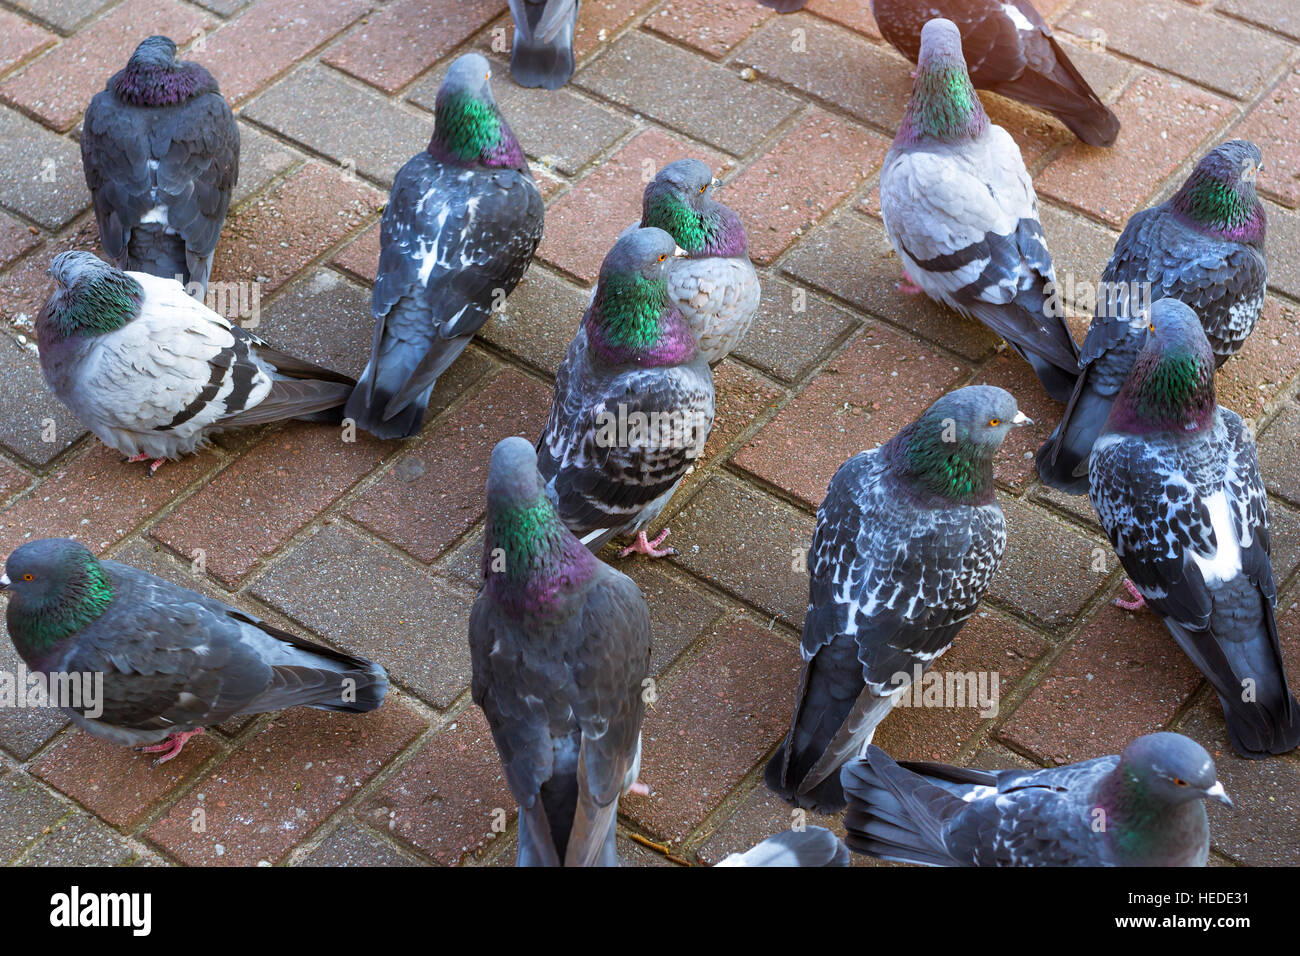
{"x": 995, "y": 422}
{"x": 662, "y": 257}
{"x": 704, "y": 187}
{"x": 1180, "y": 781}
{"x": 1151, "y": 327}
{"x": 29, "y": 577}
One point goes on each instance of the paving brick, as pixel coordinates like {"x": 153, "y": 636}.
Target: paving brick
{"x": 748, "y": 543}
{"x": 24, "y": 287}
{"x": 1284, "y": 540}
{"x": 856, "y": 16}
{"x": 600, "y": 20}
{"x": 678, "y": 613}
{"x": 444, "y": 800}
{"x": 224, "y": 7}
{"x": 1161, "y": 32}
{"x": 353, "y": 845}
{"x": 23, "y": 731}
{"x": 792, "y": 331}
{"x": 687, "y": 93}
{"x": 1122, "y": 677}
{"x": 1279, "y": 15}
{"x": 539, "y": 320}
{"x": 1276, "y": 447}
{"x": 44, "y": 180}
{"x": 711, "y": 726}
{"x": 1081, "y": 250}
{"x": 261, "y": 500}
{"x": 401, "y": 40}
{"x": 81, "y": 841}
{"x": 63, "y": 15}
{"x": 15, "y": 238}
{"x": 20, "y": 39}
{"x": 1284, "y": 233}
{"x": 32, "y": 413}
{"x": 28, "y": 811}
{"x": 261, "y": 159}
{"x": 429, "y": 498}
{"x": 12, "y": 479}
{"x": 323, "y": 318}
{"x": 360, "y": 257}
{"x": 758, "y": 816}
{"x": 271, "y": 238}
{"x": 271, "y": 793}
{"x": 58, "y": 86}
{"x": 1015, "y": 467}
{"x": 1161, "y": 119}
{"x": 305, "y": 108}
{"x": 362, "y": 599}
{"x": 713, "y": 29}
{"x": 1267, "y": 362}
{"x": 845, "y": 407}
{"x": 1274, "y": 126}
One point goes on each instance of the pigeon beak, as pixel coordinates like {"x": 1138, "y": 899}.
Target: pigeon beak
{"x": 4, "y": 582}
{"x": 717, "y": 183}
{"x": 1022, "y": 419}
{"x": 679, "y": 252}
{"x": 1218, "y": 793}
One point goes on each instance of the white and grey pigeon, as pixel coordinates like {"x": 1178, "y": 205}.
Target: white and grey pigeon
{"x": 542, "y": 54}
{"x": 160, "y": 152}
{"x": 809, "y": 847}
{"x": 1204, "y": 247}
{"x": 908, "y": 540}
{"x": 1145, "y": 807}
{"x": 633, "y": 401}
{"x": 154, "y": 373}
{"x": 961, "y": 213}
{"x": 461, "y": 225}
{"x": 1175, "y": 482}
{"x": 172, "y": 661}
{"x": 560, "y": 646}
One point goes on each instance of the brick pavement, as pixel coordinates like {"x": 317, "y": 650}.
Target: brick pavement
{"x": 373, "y": 546}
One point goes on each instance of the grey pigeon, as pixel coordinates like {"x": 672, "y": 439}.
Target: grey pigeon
{"x": 172, "y": 660}
{"x": 1145, "y": 807}
{"x": 962, "y": 215}
{"x": 633, "y": 402}
{"x": 1205, "y": 247}
{"x": 160, "y": 152}
{"x": 809, "y": 847}
{"x": 1011, "y": 51}
{"x": 1175, "y": 482}
{"x": 560, "y": 645}
{"x": 458, "y": 233}
{"x": 153, "y": 373}
{"x": 908, "y": 539}
{"x": 542, "y": 54}
{"x": 714, "y": 285}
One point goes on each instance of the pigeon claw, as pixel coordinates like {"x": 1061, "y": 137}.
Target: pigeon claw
{"x": 640, "y": 789}
{"x": 908, "y": 287}
{"x": 153, "y": 465}
{"x": 1137, "y": 604}
{"x": 170, "y": 747}
{"x": 649, "y": 548}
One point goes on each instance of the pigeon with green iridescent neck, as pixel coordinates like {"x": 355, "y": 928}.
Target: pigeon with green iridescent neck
{"x": 908, "y": 540}
{"x": 633, "y": 402}
{"x": 560, "y": 646}
{"x": 154, "y": 373}
{"x": 172, "y": 661}
{"x": 1145, "y": 807}
{"x": 160, "y": 152}
{"x": 458, "y": 233}
{"x": 962, "y": 215}
{"x": 1204, "y": 247}
{"x": 714, "y": 285}
{"x": 808, "y": 847}
{"x": 1175, "y": 482}
{"x": 542, "y": 54}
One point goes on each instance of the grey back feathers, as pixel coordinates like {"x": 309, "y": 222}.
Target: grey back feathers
{"x": 809, "y": 847}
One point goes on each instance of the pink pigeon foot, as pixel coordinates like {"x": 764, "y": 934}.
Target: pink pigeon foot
{"x": 1137, "y": 604}
{"x": 170, "y": 747}
{"x": 908, "y": 287}
{"x": 640, "y": 789}
{"x": 649, "y": 548}
{"x": 153, "y": 465}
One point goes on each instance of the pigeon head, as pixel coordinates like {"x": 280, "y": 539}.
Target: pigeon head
{"x": 55, "y": 587}
{"x": 1219, "y": 196}
{"x": 154, "y": 77}
{"x": 944, "y": 106}
{"x": 948, "y": 452}
{"x": 632, "y": 321}
{"x": 531, "y": 561}
{"x": 1171, "y": 385}
{"x": 1172, "y": 769}
{"x": 468, "y": 129}
{"x": 90, "y": 298}
{"x": 679, "y": 200}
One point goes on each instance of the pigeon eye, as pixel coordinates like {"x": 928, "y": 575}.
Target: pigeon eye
{"x": 1151, "y": 327}
{"x": 1180, "y": 781}
{"x": 995, "y": 422}
{"x": 29, "y": 577}
{"x": 704, "y": 187}
{"x": 662, "y": 256}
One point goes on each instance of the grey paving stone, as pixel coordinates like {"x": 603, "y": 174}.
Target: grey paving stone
{"x": 792, "y": 330}
{"x": 42, "y": 178}
{"x": 63, "y": 15}
{"x": 26, "y": 810}
{"x": 1280, "y": 15}
{"x": 24, "y": 730}
{"x": 678, "y": 613}
{"x": 261, "y": 157}
{"x": 1277, "y": 450}
{"x": 353, "y": 845}
{"x": 223, "y": 7}
{"x": 81, "y": 841}
{"x": 1283, "y": 234}
{"x": 324, "y": 318}
{"x": 539, "y": 320}
{"x": 30, "y": 408}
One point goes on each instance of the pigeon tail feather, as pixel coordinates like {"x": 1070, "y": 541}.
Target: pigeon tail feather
{"x": 537, "y": 63}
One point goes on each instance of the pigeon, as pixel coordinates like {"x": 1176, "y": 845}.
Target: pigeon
{"x": 962, "y": 215}
{"x": 1175, "y": 482}
{"x": 1011, "y": 52}
{"x": 459, "y": 231}
{"x": 908, "y": 539}
{"x": 715, "y": 285}
{"x": 543, "y": 51}
{"x": 1145, "y": 807}
{"x": 560, "y": 647}
{"x": 633, "y": 401}
{"x": 172, "y": 661}
{"x": 153, "y": 372}
{"x": 1205, "y": 247}
{"x": 809, "y": 847}
{"x": 160, "y": 152}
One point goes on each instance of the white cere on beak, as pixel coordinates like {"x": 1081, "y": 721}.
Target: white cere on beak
{"x": 4, "y": 581}
{"x": 1218, "y": 793}
{"x": 1022, "y": 419}
{"x": 679, "y": 252}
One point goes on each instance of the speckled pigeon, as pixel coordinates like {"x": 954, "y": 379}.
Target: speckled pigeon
{"x": 962, "y": 215}
{"x": 153, "y": 373}
{"x": 633, "y": 402}
{"x": 908, "y": 539}
{"x": 1010, "y": 51}
{"x": 160, "y": 152}
{"x": 809, "y": 847}
{"x": 1205, "y": 247}
{"x": 459, "y": 231}
{"x": 560, "y": 646}
{"x": 715, "y": 285}
{"x": 1175, "y": 482}
{"x": 542, "y": 54}
{"x": 172, "y": 660}
{"x": 1145, "y": 807}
